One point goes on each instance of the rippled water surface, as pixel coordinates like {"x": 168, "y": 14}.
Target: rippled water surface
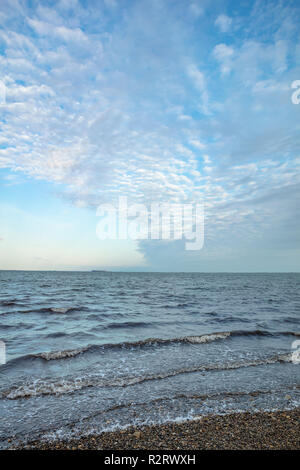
{"x": 91, "y": 351}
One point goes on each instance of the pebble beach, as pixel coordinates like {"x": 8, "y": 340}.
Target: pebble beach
{"x": 237, "y": 431}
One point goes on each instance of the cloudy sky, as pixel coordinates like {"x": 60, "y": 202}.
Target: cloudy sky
{"x": 157, "y": 100}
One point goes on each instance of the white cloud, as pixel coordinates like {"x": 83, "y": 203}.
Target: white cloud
{"x": 196, "y": 9}
{"x": 200, "y": 83}
{"x": 132, "y": 110}
{"x": 270, "y": 86}
{"x": 223, "y": 22}
{"x": 66, "y": 34}
{"x": 224, "y": 55}
{"x": 196, "y": 143}
{"x": 206, "y": 159}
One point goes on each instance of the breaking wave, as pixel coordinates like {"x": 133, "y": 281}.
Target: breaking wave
{"x": 51, "y": 310}
{"x": 60, "y": 310}
{"x": 149, "y": 342}
{"x": 60, "y": 387}
{"x": 54, "y": 355}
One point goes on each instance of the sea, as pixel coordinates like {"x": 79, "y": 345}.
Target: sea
{"x": 88, "y": 352}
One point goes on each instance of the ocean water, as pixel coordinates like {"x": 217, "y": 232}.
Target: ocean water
{"x": 94, "y": 351}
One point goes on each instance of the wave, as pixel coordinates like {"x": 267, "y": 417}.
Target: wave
{"x": 16, "y": 326}
{"x": 8, "y": 303}
{"x": 205, "y": 396}
{"x": 52, "y": 310}
{"x": 263, "y": 333}
{"x": 68, "y": 353}
{"x": 60, "y": 309}
{"x": 60, "y": 387}
{"x": 178, "y": 305}
{"x": 128, "y": 324}
{"x": 57, "y": 334}
{"x": 197, "y": 339}
{"x": 149, "y": 342}
{"x": 54, "y": 355}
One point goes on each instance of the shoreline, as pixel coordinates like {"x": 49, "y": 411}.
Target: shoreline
{"x": 236, "y": 431}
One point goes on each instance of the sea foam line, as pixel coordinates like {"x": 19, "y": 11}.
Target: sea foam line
{"x": 60, "y": 387}
{"x": 197, "y": 339}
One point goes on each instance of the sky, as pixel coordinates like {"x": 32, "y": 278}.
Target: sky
{"x": 174, "y": 101}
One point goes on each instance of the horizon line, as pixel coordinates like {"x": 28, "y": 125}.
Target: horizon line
{"x": 146, "y": 272}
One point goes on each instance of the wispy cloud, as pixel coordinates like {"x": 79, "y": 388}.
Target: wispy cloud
{"x": 223, "y": 22}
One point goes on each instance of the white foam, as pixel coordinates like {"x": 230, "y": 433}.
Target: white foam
{"x": 60, "y": 310}
{"x": 207, "y": 338}
{"x": 43, "y": 387}
{"x": 48, "y": 356}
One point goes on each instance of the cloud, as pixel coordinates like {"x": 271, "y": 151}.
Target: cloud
{"x": 109, "y": 100}
{"x": 196, "y": 143}
{"x": 223, "y": 22}
{"x": 196, "y": 9}
{"x": 61, "y": 32}
{"x": 199, "y": 81}
{"x": 224, "y": 55}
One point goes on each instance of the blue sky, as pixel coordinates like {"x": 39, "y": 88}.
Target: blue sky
{"x": 159, "y": 100}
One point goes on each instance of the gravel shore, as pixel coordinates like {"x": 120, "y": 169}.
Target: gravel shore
{"x": 272, "y": 430}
